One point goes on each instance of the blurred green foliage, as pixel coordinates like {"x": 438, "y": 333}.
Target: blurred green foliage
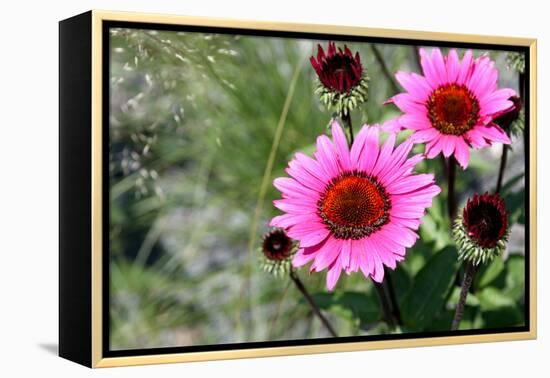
{"x": 192, "y": 121}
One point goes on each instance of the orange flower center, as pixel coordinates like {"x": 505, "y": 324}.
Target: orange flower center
{"x": 354, "y": 205}
{"x": 453, "y": 109}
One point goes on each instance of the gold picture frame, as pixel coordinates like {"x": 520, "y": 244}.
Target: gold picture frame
{"x": 94, "y": 262}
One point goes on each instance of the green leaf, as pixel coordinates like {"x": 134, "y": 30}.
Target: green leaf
{"x": 491, "y": 298}
{"x": 515, "y": 277}
{"x": 402, "y": 282}
{"x": 515, "y": 202}
{"x": 503, "y": 317}
{"x": 435, "y": 224}
{"x": 360, "y": 308}
{"x": 489, "y": 274}
{"x": 417, "y": 256}
{"x": 499, "y": 309}
{"x": 430, "y": 289}
{"x": 502, "y": 306}
{"x": 510, "y": 183}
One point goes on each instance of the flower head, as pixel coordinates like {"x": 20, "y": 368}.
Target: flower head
{"x": 513, "y": 120}
{"x": 277, "y": 250}
{"x": 343, "y": 81}
{"x": 353, "y": 209}
{"x": 452, "y": 106}
{"x": 481, "y": 232}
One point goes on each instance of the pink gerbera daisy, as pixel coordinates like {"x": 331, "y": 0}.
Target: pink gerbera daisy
{"x": 353, "y": 209}
{"x": 452, "y": 107}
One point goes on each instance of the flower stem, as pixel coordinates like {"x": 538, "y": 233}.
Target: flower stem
{"x": 347, "y": 120}
{"x": 469, "y": 273}
{"x": 300, "y": 286}
{"x": 385, "y": 304}
{"x": 502, "y": 168}
{"x": 393, "y": 298}
{"x": 451, "y": 177}
{"x": 391, "y": 309}
{"x": 384, "y": 67}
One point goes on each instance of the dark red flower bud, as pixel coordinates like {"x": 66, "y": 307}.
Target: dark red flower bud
{"x": 339, "y": 70}
{"x": 511, "y": 115}
{"x": 277, "y": 245}
{"x": 485, "y": 219}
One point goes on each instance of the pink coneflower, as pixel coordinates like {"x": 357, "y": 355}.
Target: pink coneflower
{"x": 353, "y": 209}
{"x": 452, "y": 107}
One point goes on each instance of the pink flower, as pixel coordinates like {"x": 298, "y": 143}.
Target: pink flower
{"x": 353, "y": 209}
{"x": 452, "y": 107}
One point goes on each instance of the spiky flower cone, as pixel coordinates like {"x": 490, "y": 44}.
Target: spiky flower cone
{"x": 276, "y": 252}
{"x": 343, "y": 83}
{"x": 481, "y": 231}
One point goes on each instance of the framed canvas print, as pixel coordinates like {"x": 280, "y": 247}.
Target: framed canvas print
{"x": 235, "y": 189}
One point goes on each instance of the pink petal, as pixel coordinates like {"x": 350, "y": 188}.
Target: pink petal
{"x": 355, "y": 253}
{"x": 291, "y": 187}
{"x": 448, "y": 144}
{"x": 294, "y": 206}
{"x": 400, "y": 235}
{"x": 366, "y": 263}
{"x": 415, "y": 121}
{"x": 327, "y": 254}
{"x": 341, "y": 146}
{"x": 381, "y": 254}
{"x": 404, "y": 170}
{"x": 466, "y": 68}
{"x": 495, "y": 108}
{"x": 378, "y": 275}
{"x": 413, "y": 224}
{"x": 345, "y": 257}
{"x": 392, "y": 126}
{"x": 326, "y": 156}
{"x": 501, "y": 94}
{"x": 423, "y": 136}
{"x": 302, "y": 175}
{"x": 462, "y": 153}
{"x": 396, "y": 160}
{"x": 308, "y": 234}
{"x": 411, "y": 183}
{"x": 407, "y": 212}
{"x": 421, "y": 197}
{"x": 288, "y": 220}
{"x": 384, "y": 155}
{"x": 429, "y": 71}
{"x": 408, "y": 104}
{"x": 493, "y": 133}
{"x": 302, "y": 257}
{"x": 453, "y": 66}
{"x": 439, "y": 65}
{"x": 487, "y": 82}
{"x": 476, "y": 138}
{"x": 312, "y": 167}
{"x": 415, "y": 84}
{"x": 364, "y": 151}
{"x": 479, "y": 76}
{"x": 333, "y": 274}
{"x": 434, "y": 147}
